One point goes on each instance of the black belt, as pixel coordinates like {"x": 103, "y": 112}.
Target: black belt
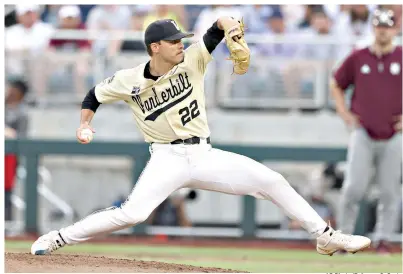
{"x": 190, "y": 141}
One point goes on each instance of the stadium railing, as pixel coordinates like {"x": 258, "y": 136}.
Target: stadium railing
{"x": 295, "y": 81}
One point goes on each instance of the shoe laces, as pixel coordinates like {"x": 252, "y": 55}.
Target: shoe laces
{"x": 54, "y": 246}
{"x": 54, "y": 243}
{"x": 341, "y": 237}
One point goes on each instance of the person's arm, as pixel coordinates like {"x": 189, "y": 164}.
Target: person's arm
{"x": 338, "y": 96}
{"x": 213, "y": 37}
{"x": 109, "y": 90}
{"x": 114, "y": 47}
{"x": 398, "y": 123}
{"x": 215, "y": 33}
{"x": 342, "y": 79}
{"x": 89, "y": 106}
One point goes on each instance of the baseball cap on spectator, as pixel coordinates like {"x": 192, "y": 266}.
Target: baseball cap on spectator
{"x": 164, "y": 30}
{"x": 276, "y": 14}
{"x": 69, "y": 11}
{"x": 22, "y": 9}
{"x": 383, "y": 18}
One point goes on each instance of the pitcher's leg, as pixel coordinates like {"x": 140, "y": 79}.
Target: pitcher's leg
{"x": 357, "y": 178}
{"x": 164, "y": 174}
{"x": 236, "y": 174}
{"x": 388, "y": 178}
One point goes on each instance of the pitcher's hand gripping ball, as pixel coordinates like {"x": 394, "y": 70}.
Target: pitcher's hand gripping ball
{"x": 237, "y": 46}
{"x": 87, "y": 134}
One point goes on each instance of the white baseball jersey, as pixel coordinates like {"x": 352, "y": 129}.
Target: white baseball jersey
{"x": 170, "y": 108}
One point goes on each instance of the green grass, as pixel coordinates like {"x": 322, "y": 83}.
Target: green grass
{"x": 247, "y": 259}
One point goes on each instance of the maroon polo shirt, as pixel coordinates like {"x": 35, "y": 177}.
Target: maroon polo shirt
{"x": 377, "y": 96}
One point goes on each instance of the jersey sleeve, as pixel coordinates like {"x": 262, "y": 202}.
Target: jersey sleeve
{"x": 111, "y": 89}
{"x": 344, "y": 74}
{"x": 198, "y": 56}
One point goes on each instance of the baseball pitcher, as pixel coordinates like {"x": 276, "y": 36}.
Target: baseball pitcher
{"x": 166, "y": 95}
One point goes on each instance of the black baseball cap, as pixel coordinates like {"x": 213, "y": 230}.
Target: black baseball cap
{"x": 165, "y": 29}
{"x": 383, "y": 18}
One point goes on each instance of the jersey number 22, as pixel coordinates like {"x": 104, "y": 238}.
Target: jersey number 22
{"x": 189, "y": 113}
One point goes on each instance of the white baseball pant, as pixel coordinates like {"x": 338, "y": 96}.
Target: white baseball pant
{"x": 172, "y": 167}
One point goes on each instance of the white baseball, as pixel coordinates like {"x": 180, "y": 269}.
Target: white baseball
{"x": 86, "y": 133}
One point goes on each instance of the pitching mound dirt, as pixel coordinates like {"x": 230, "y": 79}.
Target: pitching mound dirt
{"x": 25, "y": 262}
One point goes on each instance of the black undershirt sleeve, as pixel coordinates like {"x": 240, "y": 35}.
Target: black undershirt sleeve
{"x": 90, "y": 101}
{"x": 213, "y": 37}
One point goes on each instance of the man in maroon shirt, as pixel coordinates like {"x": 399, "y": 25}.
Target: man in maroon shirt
{"x": 375, "y": 120}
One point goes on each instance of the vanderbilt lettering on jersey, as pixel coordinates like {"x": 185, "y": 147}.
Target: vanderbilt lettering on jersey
{"x": 170, "y": 108}
{"x": 164, "y": 98}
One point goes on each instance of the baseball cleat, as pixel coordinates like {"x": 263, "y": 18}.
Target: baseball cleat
{"x": 334, "y": 240}
{"x": 47, "y": 243}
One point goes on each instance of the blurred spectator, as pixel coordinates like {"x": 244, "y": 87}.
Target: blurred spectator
{"x": 67, "y": 67}
{"x": 306, "y": 21}
{"x": 352, "y": 25}
{"x": 255, "y": 17}
{"x": 174, "y": 12}
{"x": 211, "y": 14}
{"x": 319, "y": 25}
{"x": 277, "y": 26}
{"x": 16, "y": 118}
{"x": 292, "y": 14}
{"x": 51, "y": 14}
{"x": 333, "y": 173}
{"x": 171, "y": 212}
{"x": 28, "y": 38}
{"x": 193, "y": 12}
{"x": 69, "y": 18}
{"x": 107, "y": 18}
{"x": 359, "y": 20}
{"x": 136, "y": 24}
{"x": 277, "y": 23}
{"x": 275, "y": 79}
{"x": 207, "y": 17}
{"x": 320, "y": 22}
{"x": 16, "y": 126}
{"x": 85, "y": 10}
{"x": 9, "y": 16}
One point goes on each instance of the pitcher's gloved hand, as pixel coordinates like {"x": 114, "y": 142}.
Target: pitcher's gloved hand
{"x": 237, "y": 46}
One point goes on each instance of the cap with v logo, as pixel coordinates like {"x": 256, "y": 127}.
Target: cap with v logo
{"x": 165, "y": 29}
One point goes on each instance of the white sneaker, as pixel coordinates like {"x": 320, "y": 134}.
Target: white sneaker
{"x": 332, "y": 241}
{"x": 47, "y": 243}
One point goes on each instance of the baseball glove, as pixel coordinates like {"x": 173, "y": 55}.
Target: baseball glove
{"x": 237, "y": 46}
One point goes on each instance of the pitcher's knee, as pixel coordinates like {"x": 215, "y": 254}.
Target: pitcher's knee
{"x": 272, "y": 179}
{"x": 277, "y": 178}
{"x": 133, "y": 217}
